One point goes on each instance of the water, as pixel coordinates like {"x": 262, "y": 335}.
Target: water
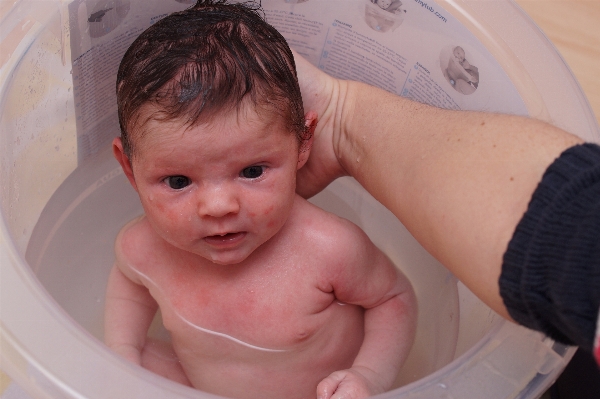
{"x": 71, "y": 252}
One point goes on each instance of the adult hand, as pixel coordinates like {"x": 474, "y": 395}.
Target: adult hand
{"x": 321, "y": 94}
{"x": 459, "y": 181}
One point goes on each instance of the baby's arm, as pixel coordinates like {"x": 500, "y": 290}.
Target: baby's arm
{"x": 128, "y": 312}
{"x": 395, "y": 7}
{"x": 370, "y": 280}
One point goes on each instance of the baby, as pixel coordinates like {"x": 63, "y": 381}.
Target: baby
{"x": 264, "y": 294}
{"x": 473, "y": 74}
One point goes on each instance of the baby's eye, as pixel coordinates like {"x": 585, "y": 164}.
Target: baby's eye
{"x": 177, "y": 182}
{"x": 252, "y": 172}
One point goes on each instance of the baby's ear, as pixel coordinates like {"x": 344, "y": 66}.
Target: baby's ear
{"x": 310, "y": 124}
{"x": 117, "y": 146}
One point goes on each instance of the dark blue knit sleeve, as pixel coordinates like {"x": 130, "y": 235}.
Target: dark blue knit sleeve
{"x": 550, "y": 278}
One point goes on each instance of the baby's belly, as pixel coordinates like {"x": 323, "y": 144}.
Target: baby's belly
{"x": 289, "y": 368}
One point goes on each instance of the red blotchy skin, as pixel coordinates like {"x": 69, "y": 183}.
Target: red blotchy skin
{"x": 248, "y": 276}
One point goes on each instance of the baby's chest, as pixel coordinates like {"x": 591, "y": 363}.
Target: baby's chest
{"x": 258, "y": 310}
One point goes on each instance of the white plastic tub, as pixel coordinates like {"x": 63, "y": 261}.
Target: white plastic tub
{"x": 63, "y": 198}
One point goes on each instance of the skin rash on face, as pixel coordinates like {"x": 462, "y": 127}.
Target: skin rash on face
{"x": 219, "y": 189}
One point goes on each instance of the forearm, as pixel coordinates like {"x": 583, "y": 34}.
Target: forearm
{"x": 459, "y": 181}
{"x": 128, "y": 314}
{"x": 389, "y": 334}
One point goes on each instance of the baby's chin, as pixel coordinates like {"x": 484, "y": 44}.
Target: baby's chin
{"x": 227, "y": 259}
{"x": 227, "y": 262}
{"x": 221, "y": 258}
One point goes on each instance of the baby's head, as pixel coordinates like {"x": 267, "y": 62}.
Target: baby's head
{"x": 212, "y": 129}
{"x": 195, "y": 65}
{"x": 384, "y": 4}
{"x": 459, "y": 53}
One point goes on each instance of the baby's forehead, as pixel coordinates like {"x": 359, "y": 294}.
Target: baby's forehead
{"x": 152, "y": 120}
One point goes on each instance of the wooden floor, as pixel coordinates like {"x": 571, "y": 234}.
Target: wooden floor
{"x": 573, "y": 26}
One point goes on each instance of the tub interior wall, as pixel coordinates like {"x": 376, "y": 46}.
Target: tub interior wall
{"x": 37, "y": 120}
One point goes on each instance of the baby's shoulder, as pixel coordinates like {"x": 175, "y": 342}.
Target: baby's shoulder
{"x": 337, "y": 249}
{"x": 322, "y": 229}
{"x": 134, "y": 242}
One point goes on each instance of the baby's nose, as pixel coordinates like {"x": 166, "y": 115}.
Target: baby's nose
{"x": 218, "y": 201}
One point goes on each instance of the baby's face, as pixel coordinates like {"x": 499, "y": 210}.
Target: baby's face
{"x": 219, "y": 190}
{"x": 384, "y": 3}
{"x": 459, "y": 53}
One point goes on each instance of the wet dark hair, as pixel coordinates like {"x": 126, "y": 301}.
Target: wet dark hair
{"x": 208, "y": 59}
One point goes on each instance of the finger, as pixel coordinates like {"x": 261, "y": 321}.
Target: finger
{"x": 315, "y": 175}
{"x": 328, "y": 386}
{"x": 321, "y": 168}
{"x": 307, "y": 184}
{"x": 350, "y": 390}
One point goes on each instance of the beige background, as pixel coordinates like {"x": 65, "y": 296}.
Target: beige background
{"x": 574, "y": 28}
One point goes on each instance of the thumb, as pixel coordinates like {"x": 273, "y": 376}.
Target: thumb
{"x": 329, "y": 385}
{"x": 321, "y": 169}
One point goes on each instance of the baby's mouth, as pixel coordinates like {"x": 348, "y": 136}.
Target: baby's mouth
{"x": 225, "y": 239}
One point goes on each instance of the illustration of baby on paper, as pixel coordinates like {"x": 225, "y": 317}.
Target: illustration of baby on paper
{"x": 463, "y": 76}
{"x": 384, "y": 15}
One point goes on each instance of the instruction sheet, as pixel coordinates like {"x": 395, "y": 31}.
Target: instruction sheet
{"x": 413, "y": 48}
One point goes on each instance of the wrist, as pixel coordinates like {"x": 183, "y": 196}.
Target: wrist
{"x": 375, "y": 382}
{"x": 346, "y": 147}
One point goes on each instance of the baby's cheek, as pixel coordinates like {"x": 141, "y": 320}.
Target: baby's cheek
{"x": 263, "y": 217}
{"x": 269, "y": 210}
{"x": 260, "y": 213}
{"x": 151, "y": 204}
{"x": 159, "y": 207}
{"x": 166, "y": 219}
